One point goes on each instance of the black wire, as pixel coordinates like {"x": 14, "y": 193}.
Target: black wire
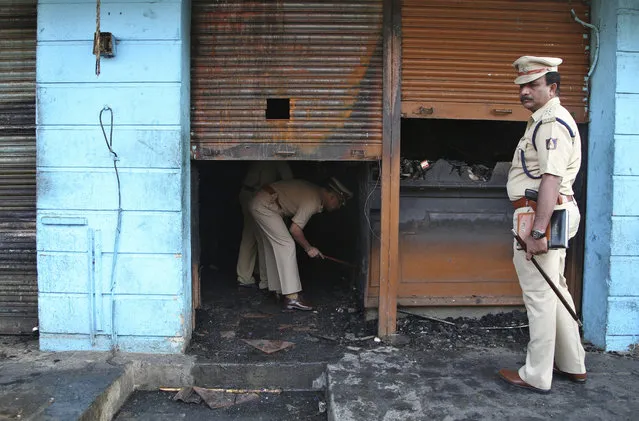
{"x": 109, "y": 143}
{"x": 118, "y": 227}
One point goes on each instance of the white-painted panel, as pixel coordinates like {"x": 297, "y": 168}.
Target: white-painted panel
{"x": 624, "y": 239}
{"x": 142, "y": 232}
{"x": 153, "y": 274}
{"x": 148, "y": 344}
{"x": 65, "y": 313}
{"x": 626, "y": 153}
{"x": 625, "y": 196}
{"x": 622, "y": 343}
{"x": 85, "y": 146}
{"x": 626, "y": 114}
{"x": 159, "y": 274}
{"x": 623, "y": 276}
{"x": 70, "y": 104}
{"x": 125, "y": 20}
{"x": 627, "y": 71}
{"x": 623, "y": 316}
{"x": 74, "y": 266}
{"x": 628, "y": 35}
{"x": 135, "y": 61}
{"x": 97, "y": 189}
{"x": 145, "y": 315}
{"x": 61, "y": 238}
{"x": 112, "y": 1}
{"x": 629, "y": 4}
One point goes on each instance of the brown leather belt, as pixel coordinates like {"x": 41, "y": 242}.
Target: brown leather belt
{"x": 523, "y": 202}
{"x": 270, "y": 190}
{"x": 267, "y": 188}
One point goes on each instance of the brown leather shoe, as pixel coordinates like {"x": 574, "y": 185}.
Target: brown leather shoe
{"x": 512, "y": 377}
{"x": 573, "y": 377}
{"x": 295, "y": 304}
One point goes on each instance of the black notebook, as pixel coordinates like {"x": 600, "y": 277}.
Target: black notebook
{"x": 559, "y": 229}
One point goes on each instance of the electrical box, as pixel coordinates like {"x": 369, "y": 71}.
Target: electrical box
{"x": 104, "y": 45}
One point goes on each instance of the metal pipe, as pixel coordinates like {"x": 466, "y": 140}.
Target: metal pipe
{"x": 596, "y": 31}
{"x": 91, "y": 264}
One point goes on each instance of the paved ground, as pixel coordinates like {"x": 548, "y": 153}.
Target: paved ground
{"x": 385, "y": 383}
{"x": 335, "y": 370}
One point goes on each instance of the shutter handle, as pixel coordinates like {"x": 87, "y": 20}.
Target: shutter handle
{"x": 503, "y": 111}
{"x": 425, "y": 111}
{"x": 285, "y": 153}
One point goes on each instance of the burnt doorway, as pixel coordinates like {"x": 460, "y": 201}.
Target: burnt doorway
{"x": 455, "y": 246}
{"x": 228, "y": 315}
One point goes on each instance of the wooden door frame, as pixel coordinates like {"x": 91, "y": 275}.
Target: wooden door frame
{"x": 389, "y": 268}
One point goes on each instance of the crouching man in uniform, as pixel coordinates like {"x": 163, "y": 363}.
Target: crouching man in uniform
{"x": 547, "y": 159}
{"x": 299, "y": 200}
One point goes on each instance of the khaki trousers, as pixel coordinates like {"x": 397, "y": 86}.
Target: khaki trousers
{"x": 249, "y": 246}
{"x": 554, "y": 335}
{"x": 278, "y": 244}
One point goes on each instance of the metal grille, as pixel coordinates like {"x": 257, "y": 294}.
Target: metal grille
{"x": 18, "y": 282}
{"x": 457, "y": 55}
{"x": 324, "y": 57}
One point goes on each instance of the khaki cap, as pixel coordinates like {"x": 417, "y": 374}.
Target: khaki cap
{"x": 342, "y": 192}
{"x": 531, "y": 67}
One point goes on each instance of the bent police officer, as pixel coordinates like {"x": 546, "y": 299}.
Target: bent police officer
{"x": 299, "y": 200}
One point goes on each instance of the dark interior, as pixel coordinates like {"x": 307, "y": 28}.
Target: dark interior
{"x": 472, "y": 141}
{"x": 336, "y": 234}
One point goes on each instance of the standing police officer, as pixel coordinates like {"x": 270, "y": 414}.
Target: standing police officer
{"x": 547, "y": 159}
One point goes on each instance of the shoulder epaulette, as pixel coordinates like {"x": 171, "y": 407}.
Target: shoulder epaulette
{"x": 550, "y": 119}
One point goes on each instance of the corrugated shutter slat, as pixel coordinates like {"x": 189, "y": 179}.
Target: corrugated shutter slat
{"x": 457, "y": 55}
{"x": 326, "y": 57}
{"x": 18, "y": 282}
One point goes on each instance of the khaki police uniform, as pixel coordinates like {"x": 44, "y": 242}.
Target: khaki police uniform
{"x": 259, "y": 174}
{"x": 297, "y": 199}
{"x": 550, "y": 145}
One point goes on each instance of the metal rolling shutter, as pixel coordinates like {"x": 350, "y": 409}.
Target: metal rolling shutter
{"x": 326, "y": 57}
{"x": 18, "y": 282}
{"x": 457, "y": 55}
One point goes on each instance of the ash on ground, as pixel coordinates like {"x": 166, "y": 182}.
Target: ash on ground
{"x": 502, "y": 330}
{"x": 231, "y": 315}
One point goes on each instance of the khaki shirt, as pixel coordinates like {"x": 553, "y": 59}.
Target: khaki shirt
{"x": 265, "y": 172}
{"x": 557, "y": 152}
{"x": 299, "y": 199}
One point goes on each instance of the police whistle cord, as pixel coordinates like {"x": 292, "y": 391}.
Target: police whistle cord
{"x": 549, "y": 281}
{"x": 342, "y": 262}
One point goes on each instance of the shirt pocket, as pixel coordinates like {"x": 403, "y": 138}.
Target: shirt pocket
{"x": 523, "y": 146}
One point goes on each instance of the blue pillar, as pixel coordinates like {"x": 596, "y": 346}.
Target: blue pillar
{"x": 144, "y": 304}
{"x": 611, "y": 272}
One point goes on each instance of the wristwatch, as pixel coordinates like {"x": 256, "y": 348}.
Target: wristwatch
{"x": 537, "y": 235}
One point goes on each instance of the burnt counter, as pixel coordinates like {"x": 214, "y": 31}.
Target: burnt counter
{"x": 455, "y": 245}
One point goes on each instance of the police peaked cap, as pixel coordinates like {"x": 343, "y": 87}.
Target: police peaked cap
{"x": 530, "y": 68}
{"x": 334, "y": 185}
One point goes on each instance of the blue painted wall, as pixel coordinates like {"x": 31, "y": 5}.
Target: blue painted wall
{"x": 611, "y": 273}
{"x": 147, "y": 87}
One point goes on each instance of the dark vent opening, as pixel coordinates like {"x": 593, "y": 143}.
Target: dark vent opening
{"x": 278, "y": 108}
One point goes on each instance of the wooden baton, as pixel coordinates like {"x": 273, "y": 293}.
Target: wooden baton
{"x": 339, "y": 261}
{"x": 549, "y": 281}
